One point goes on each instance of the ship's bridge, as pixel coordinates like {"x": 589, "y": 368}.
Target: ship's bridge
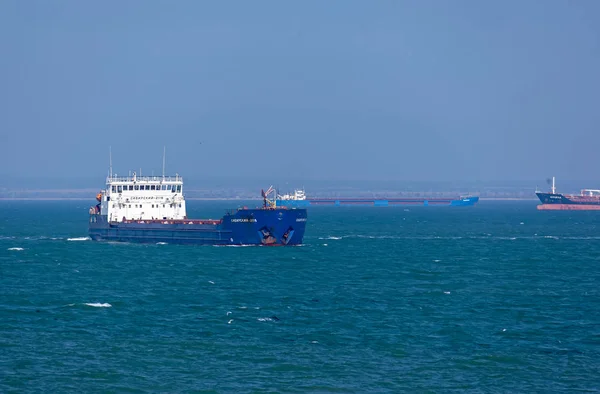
{"x": 298, "y": 195}
{"x": 590, "y": 192}
{"x": 143, "y": 198}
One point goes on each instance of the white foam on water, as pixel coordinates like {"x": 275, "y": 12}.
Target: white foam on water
{"x": 98, "y": 304}
{"x": 265, "y": 319}
{"x": 446, "y": 292}
{"x": 486, "y": 236}
{"x": 234, "y": 246}
{"x": 335, "y": 238}
{"x": 79, "y": 239}
{"x": 211, "y": 282}
{"x": 15, "y": 249}
{"x": 161, "y": 243}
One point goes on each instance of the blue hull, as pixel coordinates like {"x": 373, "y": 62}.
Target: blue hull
{"x": 463, "y": 202}
{"x": 243, "y": 227}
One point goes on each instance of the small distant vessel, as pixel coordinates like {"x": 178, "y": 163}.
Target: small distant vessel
{"x": 299, "y": 199}
{"x": 153, "y": 209}
{"x": 587, "y": 200}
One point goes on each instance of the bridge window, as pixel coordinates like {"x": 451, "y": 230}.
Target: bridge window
{"x": 119, "y": 189}
{"x": 136, "y": 187}
{"x": 178, "y": 188}
{"x": 147, "y": 187}
{"x": 129, "y": 205}
{"x": 114, "y": 189}
{"x": 130, "y": 187}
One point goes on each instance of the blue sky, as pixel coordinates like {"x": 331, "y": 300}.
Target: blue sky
{"x": 382, "y": 90}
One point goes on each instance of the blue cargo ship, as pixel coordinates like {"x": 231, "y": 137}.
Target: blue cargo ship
{"x": 153, "y": 210}
{"x": 299, "y": 199}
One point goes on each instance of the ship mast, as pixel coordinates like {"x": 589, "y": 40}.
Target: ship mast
{"x": 553, "y": 186}
{"x": 164, "y": 154}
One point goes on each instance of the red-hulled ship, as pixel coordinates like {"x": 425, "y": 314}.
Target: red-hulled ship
{"x": 587, "y": 200}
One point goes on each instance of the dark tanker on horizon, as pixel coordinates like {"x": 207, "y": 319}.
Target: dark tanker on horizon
{"x": 587, "y": 200}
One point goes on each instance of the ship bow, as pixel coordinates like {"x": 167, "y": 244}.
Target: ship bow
{"x": 267, "y": 226}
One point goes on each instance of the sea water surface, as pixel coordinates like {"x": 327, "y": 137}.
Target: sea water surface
{"x": 498, "y": 297}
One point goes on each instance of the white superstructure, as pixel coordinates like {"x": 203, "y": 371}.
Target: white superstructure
{"x": 142, "y": 198}
{"x": 297, "y": 195}
{"x": 590, "y": 192}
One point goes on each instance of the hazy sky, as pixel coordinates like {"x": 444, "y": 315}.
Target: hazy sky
{"x": 408, "y": 90}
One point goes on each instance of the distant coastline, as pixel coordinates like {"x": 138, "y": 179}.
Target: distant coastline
{"x": 219, "y": 199}
{"x": 507, "y": 199}
{"x": 248, "y": 193}
{"x": 92, "y": 199}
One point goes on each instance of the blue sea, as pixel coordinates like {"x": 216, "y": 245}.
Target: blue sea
{"x": 496, "y": 298}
